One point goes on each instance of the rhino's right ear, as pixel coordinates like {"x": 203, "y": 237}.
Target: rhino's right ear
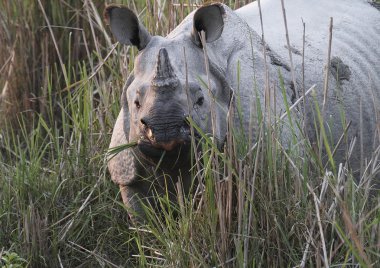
{"x": 209, "y": 19}
{"x": 126, "y": 27}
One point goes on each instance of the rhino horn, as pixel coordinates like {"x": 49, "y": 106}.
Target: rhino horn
{"x": 164, "y": 75}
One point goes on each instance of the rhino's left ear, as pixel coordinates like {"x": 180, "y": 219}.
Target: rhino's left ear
{"x": 210, "y": 20}
{"x": 126, "y": 27}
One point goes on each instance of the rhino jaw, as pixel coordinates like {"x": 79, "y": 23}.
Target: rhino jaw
{"x": 168, "y": 146}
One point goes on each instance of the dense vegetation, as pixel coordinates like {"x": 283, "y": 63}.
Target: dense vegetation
{"x": 260, "y": 205}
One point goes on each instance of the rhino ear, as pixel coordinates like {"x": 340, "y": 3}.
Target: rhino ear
{"x": 126, "y": 27}
{"x": 210, "y": 20}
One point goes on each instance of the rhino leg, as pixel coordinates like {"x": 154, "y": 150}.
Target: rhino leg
{"x": 132, "y": 200}
{"x": 146, "y": 193}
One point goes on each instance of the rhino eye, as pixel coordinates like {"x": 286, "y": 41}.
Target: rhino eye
{"x": 137, "y": 103}
{"x": 200, "y": 101}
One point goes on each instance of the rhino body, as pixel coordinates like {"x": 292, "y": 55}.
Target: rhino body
{"x": 170, "y": 83}
{"x": 354, "y": 75}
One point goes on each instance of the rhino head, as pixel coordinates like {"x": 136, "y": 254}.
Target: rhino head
{"x": 169, "y": 83}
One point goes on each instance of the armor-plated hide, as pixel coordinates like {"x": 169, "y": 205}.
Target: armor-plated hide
{"x": 170, "y": 82}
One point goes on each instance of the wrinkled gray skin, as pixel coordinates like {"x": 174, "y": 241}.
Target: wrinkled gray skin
{"x": 354, "y": 75}
{"x": 156, "y": 103}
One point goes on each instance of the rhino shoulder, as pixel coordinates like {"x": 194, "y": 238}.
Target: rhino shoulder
{"x": 121, "y": 165}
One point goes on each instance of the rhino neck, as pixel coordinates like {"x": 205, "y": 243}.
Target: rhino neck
{"x": 149, "y": 183}
{"x": 156, "y": 176}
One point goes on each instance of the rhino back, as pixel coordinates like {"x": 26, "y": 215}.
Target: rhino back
{"x": 354, "y": 80}
{"x": 356, "y": 32}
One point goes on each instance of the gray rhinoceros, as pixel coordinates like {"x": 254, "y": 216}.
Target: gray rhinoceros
{"x": 172, "y": 80}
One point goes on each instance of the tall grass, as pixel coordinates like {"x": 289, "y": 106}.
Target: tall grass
{"x": 258, "y": 204}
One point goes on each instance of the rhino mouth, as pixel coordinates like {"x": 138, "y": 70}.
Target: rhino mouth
{"x": 155, "y": 145}
{"x": 163, "y": 146}
{"x": 167, "y": 140}
{"x": 156, "y": 150}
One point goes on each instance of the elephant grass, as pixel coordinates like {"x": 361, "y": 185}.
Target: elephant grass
{"x": 258, "y": 204}
{"x": 280, "y": 217}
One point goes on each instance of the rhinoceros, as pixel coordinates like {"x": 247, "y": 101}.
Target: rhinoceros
{"x": 174, "y": 79}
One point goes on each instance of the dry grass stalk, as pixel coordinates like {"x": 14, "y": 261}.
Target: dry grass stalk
{"x": 317, "y": 208}
{"x": 325, "y": 88}
{"x": 295, "y": 92}
{"x": 193, "y": 141}
{"x": 252, "y": 196}
{"x": 98, "y": 256}
{"x": 304, "y": 121}
{"x": 354, "y": 235}
{"x": 54, "y": 42}
{"x": 10, "y": 60}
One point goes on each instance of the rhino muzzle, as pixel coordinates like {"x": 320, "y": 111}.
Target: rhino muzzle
{"x": 164, "y": 131}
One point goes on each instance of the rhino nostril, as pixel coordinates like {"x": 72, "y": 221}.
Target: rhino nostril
{"x": 137, "y": 103}
{"x": 143, "y": 121}
{"x": 200, "y": 101}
